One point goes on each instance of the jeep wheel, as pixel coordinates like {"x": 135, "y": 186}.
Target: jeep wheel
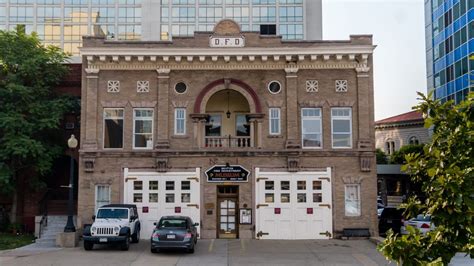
{"x": 126, "y": 244}
{"x": 88, "y": 245}
{"x": 136, "y": 237}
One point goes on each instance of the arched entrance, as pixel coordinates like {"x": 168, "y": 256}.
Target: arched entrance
{"x": 228, "y": 115}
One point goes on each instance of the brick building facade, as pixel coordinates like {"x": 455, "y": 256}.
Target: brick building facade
{"x": 249, "y": 135}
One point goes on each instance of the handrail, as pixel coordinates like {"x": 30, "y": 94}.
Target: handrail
{"x": 43, "y": 212}
{"x": 227, "y": 142}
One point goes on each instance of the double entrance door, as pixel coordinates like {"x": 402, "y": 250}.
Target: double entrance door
{"x": 227, "y": 211}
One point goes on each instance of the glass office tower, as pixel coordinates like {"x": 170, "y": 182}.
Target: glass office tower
{"x": 450, "y": 48}
{"x": 64, "y": 22}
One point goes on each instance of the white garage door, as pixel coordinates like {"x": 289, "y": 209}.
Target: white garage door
{"x": 293, "y": 205}
{"x": 161, "y": 194}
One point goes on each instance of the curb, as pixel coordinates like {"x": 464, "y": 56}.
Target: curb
{"x": 376, "y": 239}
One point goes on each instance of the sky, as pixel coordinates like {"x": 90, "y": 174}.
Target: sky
{"x": 398, "y": 30}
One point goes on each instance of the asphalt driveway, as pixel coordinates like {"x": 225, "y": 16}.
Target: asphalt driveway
{"x": 211, "y": 252}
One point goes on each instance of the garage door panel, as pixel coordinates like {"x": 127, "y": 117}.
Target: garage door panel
{"x": 160, "y": 194}
{"x": 296, "y": 197}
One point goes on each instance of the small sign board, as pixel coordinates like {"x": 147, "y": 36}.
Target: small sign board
{"x": 245, "y": 216}
{"x": 144, "y": 209}
{"x": 230, "y": 173}
{"x": 222, "y": 42}
{"x": 177, "y": 209}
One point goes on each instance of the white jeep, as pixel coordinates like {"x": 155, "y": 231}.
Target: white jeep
{"x": 113, "y": 223}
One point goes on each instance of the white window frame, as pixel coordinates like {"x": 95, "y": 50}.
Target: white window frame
{"x": 341, "y": 118}
{"x": 176, "y": 120}
{"x": 357, "y": 201}
{"x": 143, "y": 119}
{"x": 97, "y": 194}
{"x": 271, "y": 120}
{"x": 103, "y": 127}
{"x": 312, "y": 118}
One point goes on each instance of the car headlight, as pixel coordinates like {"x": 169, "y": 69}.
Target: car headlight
{"x": 93, "y": 229}
{"x": 116, "y": 229}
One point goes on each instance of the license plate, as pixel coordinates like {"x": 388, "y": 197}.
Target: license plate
{"x": 171, "y": 236}
{"x": 389, "y": 221}
{"x": 102, "y": 239}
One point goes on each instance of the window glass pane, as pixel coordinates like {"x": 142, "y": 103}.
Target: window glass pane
{"x": 316, "y": 185}
{"x": 301, "y": 185}
{"x": 213, "y": 125}
{"x": 185, "y": 185}
{"x": 242, "y": 125}
{"x": 137, "y": 185}
{"x": 153, "y": 197}
{"x": 269, "y": 185}
{"x": 169, "y": 185}
{"x": 169, "y": 198}
{"x": 269, "y": 197}
{"x": 153, "y": 185}
{"x": 317, "y": 197}
{"x": 113, "y": 128}
{"x": 137, "y": 197}
{"x": 352, "y": 200}
{"x": 285, "y": 185}
{"x": 102, "y": 196}
{"x": 285, "y": 198}
{"x": 341, "y": 140}
{"x": 185, "y": 197}
{"x": 301, "y": 197}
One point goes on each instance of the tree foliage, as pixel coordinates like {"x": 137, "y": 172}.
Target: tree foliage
{"x": 30, "y": 112}
{"x": 445, "y": 171}
{"x": 398, "y": 157}
{"x": 380, "y": 156}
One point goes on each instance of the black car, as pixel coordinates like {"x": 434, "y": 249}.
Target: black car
{"x": 391, "y": 218}
{"x": 174, "y": 232}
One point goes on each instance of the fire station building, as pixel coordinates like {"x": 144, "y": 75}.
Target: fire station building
{"x": 249, "y": 135}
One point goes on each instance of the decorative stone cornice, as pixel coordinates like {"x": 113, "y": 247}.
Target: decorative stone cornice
{"x": 163, "y": 71}
{"x": 92, "y": 70}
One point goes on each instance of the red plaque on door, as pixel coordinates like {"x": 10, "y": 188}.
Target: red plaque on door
{"x": 277, "y": 210}
{"x": 144, "y": 209}
{"x": 177, "y": 209}
{"x": 309, "y": 211}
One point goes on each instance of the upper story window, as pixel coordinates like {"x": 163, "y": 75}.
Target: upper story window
{"x": 390, "y": 147}
{"x": 341, "y": 125}
{"x": 311, "y": 129}
{"x": 413, "y": 140}
{"x": 275, "y": 128}
{"x": 180, "y": 121}
{"x": 143, "y": 128}
{"x": 113, "y": 128}
{"x": 213, "y": 126}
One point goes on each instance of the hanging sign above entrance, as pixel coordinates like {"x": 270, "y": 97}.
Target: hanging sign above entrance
{"x": 222, "y": 42}
{"x": 230, "y": 173}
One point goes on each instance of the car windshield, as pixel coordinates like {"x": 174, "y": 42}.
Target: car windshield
{"x": 112, "y": 213}
{"x": 423, "y": 218}
{"x": 172, "y": 223}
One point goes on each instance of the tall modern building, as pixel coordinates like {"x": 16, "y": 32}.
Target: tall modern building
{"x": 64, "y": 22}
{"x": 450, "y": 48}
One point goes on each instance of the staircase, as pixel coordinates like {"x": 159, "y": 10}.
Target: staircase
{"x": 56, "y": 224}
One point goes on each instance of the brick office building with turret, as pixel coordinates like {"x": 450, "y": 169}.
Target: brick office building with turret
{"x": 249, "y": 135}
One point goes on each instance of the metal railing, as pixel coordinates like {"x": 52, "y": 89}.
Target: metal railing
{"x": 228, "y": 142}
{"x": 43, "y": 213}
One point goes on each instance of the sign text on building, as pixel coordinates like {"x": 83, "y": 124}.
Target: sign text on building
{"x": 231, "y": 173}
{"x": 226, "y": 41}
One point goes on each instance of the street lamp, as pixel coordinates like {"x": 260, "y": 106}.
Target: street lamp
{"x": 72, "y": 143}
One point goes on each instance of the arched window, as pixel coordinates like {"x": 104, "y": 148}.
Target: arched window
{"x": 390, "y": 147}
{"x": 413, "y": 140}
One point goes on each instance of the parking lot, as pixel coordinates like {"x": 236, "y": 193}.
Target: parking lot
{"x": 211, "y": 252}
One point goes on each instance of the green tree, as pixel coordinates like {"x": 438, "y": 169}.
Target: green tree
{"x": 445, "y": 171}
{"x": 398, "y": 157}
{"x": 30, "y": 111}
{"x": 380, "y": 156}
